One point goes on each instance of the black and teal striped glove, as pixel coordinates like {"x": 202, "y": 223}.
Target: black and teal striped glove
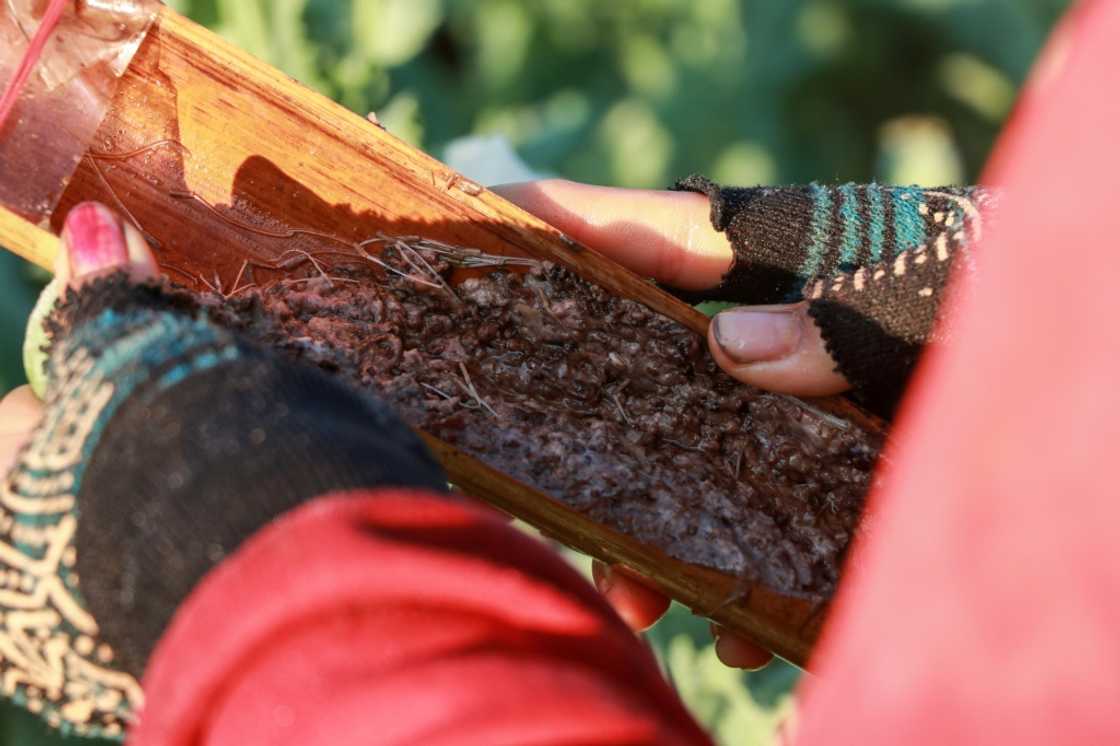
{"x": 873, "y": 263}
{"x": 166, "y": 441}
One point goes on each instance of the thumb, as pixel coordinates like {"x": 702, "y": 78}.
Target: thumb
{"x": 778, "y": 348}
{"x": 97, "y": 241}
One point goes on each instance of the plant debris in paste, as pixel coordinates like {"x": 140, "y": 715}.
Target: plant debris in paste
{"x": 603, "y": 404}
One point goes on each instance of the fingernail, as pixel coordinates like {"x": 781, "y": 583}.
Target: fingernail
{"x": 748, "y": 336}
{"x": 139, "y": 252}
{"x": 603, "y": 577}
{"x": 94, "y": 239}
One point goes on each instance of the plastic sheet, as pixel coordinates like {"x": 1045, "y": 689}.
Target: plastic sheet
{"x": 65, "y": 99}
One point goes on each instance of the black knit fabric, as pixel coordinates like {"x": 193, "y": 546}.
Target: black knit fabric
{"x": 184, "y": 473}
{"x": 876, "y": 323}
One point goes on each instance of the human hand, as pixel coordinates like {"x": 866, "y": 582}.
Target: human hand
{"x": 20, "y": 409}
{"x": 669, "y": 236}
{"x": 164, "y": 442}
{"x": 640, "y": 607}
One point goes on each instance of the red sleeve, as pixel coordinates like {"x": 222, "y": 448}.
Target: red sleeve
{"x": 984, "y": 606}
{"x": 400, "y": 619}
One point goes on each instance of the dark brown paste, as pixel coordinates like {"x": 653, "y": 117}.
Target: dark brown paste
{"x": 599, "y": 402}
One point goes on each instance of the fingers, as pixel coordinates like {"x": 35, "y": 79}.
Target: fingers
{"x": 664, "y": 235}
{"x": 19, "y": 413}
{"x": 637, "y": 604}
{"x": 738, "y": 652}
{"x": 640, "y": 607}
{"x": 778, "y": 348}
{"x": 97, "y": 241}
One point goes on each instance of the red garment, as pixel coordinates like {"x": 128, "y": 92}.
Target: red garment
{"x": 401, "y": 619}
{"x": 984, "y": 608}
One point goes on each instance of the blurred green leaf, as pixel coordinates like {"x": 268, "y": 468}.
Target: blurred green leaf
{"x": 243, "y": 23}
{"x": 392, "y": 32}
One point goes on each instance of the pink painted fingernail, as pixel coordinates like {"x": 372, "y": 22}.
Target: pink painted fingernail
{"x": 755, "y": 336}
{"x": 94, "y": 239}
{"x": 603, "y": 576}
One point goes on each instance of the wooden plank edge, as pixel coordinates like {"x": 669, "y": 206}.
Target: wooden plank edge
{"x": 29, "y": 241}
{"x": 519, "y": 227}
{"x": 786, "y": 625}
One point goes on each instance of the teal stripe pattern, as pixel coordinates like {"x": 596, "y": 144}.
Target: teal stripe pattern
{"x": 130, "y": 346}
{"x": 787, "y": 237}
{"x": 909, "y": 226}
{"x": 818, "y": 230}
{"x": 849, "y": 216}
{"x": 876, "y": 228}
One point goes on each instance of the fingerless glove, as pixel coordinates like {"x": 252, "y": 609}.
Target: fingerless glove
{"x": 872, "y": 262}
{"x": 167, "y": 442}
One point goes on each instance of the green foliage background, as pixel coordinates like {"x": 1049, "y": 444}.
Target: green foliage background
{"x": 639, "y": 93}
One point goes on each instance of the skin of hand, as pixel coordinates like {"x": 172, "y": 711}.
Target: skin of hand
{"x": 669, "y": 236}
{"x": 95, "y": 242}
{"x": 19, "y": 413}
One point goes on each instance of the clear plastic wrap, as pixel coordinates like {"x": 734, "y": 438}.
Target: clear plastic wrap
{"x": 65, "y": 98}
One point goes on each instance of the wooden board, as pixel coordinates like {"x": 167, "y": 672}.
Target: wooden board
{"x": 31, "y": 242}
{"x": 232, "y": 169}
